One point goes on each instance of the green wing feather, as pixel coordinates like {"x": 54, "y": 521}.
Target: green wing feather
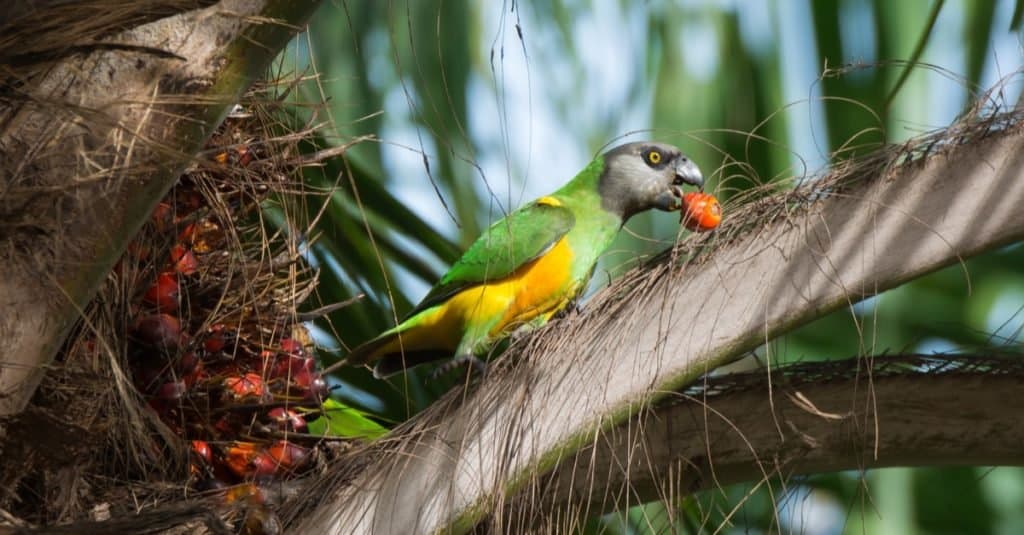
{"x": 522, "y": 236}
{"x": 510, "y": 243}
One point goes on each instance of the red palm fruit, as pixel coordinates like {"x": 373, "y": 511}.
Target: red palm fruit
{"x": 215, "y": 339}
{"x": 189, "y": 201}
{"x": 303, "y": 378}
{"x": 171, "y": 391}
{"x": 701, "y": 211}
{"x": 290, "y": 365}
{"x": 201, "y": 449}
{"x": 287, "y": 420}
{"x": 196, "y": 375}
{"x": 238, "y": 458}
{"x": 226, "y": 425}
{"x": 188, "y": 361}
{"x": 162, "y": 331}
{"x": 248, "y": 385}
{"x": 263, "y": 465}
{"x": 163, "y": 294}
{"x": 188, "y": 234}
{"x": 202, "y": 237}
{"x": 317, "y": 391}
{"x": 163, "y": 217}
{"x": 287, "y": 455}
{"x": 184, "y": 261}
{"x": 292, "y": 347}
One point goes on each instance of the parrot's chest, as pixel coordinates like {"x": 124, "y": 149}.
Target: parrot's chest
{"x": 537, "y": 289}
{"x": 543, "y": 286}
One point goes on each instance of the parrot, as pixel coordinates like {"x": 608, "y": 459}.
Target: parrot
{"x": 532, "y": 263}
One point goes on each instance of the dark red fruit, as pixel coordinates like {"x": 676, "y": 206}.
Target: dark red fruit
{"x": 289, "y": 367}
{"x": 148, "y": 376}
{"x": 161, "y": 331}
{"x": 226, "y": 425}
{"x": 188, "y": 362}
{"x": 317, "y": 391}
{"x": 215, "y": 339}
{"x": 196, "y": 376}
{"x": 292, "y": 347}
{"x": 171, "y": 391}
{"x": 287, "y": 420}
{"x": 163, "y": 294}
{"x": 288, "y": 455}
{"x": 262, "y": 464}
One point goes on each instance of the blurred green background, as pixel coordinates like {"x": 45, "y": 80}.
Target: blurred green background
{"x": 482, "y": 106}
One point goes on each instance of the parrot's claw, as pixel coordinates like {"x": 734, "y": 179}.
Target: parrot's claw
{"x": 470, "y": 361}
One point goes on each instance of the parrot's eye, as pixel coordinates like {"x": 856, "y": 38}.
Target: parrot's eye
{"x": 653, "y": 157}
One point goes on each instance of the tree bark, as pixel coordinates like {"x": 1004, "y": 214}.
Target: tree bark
{"x": 586, "y": 376}
{"x": 92, "y": 142}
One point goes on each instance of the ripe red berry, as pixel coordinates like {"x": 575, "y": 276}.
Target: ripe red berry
{"x": 701, "y": 211}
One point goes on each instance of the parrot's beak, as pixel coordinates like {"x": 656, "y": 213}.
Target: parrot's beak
{"x": 687, "y": 172}
{"x": 669, "y": 201}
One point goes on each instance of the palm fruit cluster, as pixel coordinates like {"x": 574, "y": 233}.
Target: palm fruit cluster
{"x": 190, "y": 383}
{"x": 214, "y": 346}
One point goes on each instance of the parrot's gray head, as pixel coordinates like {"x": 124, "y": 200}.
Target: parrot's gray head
{"x": 644, "y": 175}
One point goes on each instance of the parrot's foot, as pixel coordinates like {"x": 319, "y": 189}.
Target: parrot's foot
{"x": 471, "y": 362}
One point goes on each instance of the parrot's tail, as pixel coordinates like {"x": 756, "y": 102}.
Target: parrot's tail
{"x": 393, "y": 363}
{"x": 366, "y": 351}
{"x": 391, "y": 356}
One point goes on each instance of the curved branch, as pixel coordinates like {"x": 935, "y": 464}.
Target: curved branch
{"x": 90, "y": 146}
{"x": 585, "y": 376}
{"x": 852, "y": 414}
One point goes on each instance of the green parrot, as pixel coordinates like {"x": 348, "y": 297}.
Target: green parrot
{"x": 532, "y": 263}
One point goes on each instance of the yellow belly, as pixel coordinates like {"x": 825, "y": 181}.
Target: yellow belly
{"x": 539, "y": 288}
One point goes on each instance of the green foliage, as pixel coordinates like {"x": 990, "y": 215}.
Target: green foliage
{"x": 337, "y": 420}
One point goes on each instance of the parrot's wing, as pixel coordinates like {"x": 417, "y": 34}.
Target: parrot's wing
{"x": 509, "y": 244}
